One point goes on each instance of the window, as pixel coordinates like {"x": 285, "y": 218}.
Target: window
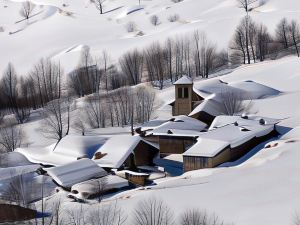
{"x": 186, "y": 92}
{"x": 179, "y": 92}
{"x": 183, "y": 92}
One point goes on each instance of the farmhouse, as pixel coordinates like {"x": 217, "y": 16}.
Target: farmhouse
{"x": 75, "y": 172}
{"x": 175, "y": 135}
{"x": 121, "y": 152}
{"x": 228, "y": 139}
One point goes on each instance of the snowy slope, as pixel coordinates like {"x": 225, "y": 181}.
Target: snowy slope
{"x": 60, "y": 32}
{"x": 261, "y": 188}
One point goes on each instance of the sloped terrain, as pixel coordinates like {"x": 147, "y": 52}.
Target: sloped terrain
{"x": 60, "y": 28}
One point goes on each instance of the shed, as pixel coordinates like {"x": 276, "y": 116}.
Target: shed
{"x": 68, "y": 175}
{"x": 228, "y": 139}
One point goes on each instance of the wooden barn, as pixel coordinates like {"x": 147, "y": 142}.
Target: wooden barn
{"x": 228, "y": 142}
{"x": 177, "y": 135}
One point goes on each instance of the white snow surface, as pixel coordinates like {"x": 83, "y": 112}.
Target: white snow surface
{"x": 59, "y": 31}
{"x": 180, "y": 126}
{"x": 261, "y": 189}
{"x": 85, "y": 189}
{"x": 67, "y": 150}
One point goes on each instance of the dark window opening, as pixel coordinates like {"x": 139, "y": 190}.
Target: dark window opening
{"x": 183, "y": 92}
{"x": 179, "y": 92}
{"x": 186, "y": 92}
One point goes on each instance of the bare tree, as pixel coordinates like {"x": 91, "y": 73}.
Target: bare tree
{"x": 131, "y": 26}
{"x": 294, "y": 32}
{"x": 132, "y": 66}
{"x": 26, "y": 9}
{"x": 101, "y": 187}
{"x": 76, "y": 216}
{"x": 99, "y": 5}
{"x": 106, "y": 215}
{"x": 262, "y": 40}
{"x": 241, "y": 40}
{"x": 95, "y": 110}
{"x": 18, "y": 190}
{"x": 152, "y": 212}
{"x": 154, "y": 20}
{"x": 56, "y": 119}
{"x": 144, "y": 103}
{"x": 173, "y": 18}
{"x": 157, "y": 66}
{"x": 47, "y": 78}
{"x": 234, "y": 103}
{"x": 296, "y": 219}
{"x": 79, "y": 122}
{"x": 54, "y": 207}
{"x": 11, "y": 136}
{"x": 196, "y": 217}
{"x": 282, "y": 33}
{"x": 246, "y": 4}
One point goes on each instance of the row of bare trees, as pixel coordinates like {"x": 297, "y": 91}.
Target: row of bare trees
{"x": 152, "y": 211}
{"x": 253, "y": 41}
{"x": 192, "y": 54}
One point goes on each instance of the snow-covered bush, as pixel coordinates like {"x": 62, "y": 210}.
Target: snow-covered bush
{"x": 173, "y": 18}
{"x": 131, "y": 26}
{"x": 154, "y": 20}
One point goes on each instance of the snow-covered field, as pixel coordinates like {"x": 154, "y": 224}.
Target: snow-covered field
{"x": 60, "y": 28}
{"x": 262, "y": 188}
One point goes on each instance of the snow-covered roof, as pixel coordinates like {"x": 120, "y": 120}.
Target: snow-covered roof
{"x": 209, "y": 106}
{"x": 256, "y": 90}
{"x": 78, "y": 145}
{"x": 180, "y": 126}
{"x": 184, "y": 80}
{"x": 249, "y": 89}
{"x": 152, "y": 124}
{"x": 117, "y": 150}
{"x": 229, "y": 131}
{"x": 206, "y": 147}
{"x": 75, "y": 172}
{"x": 68, "y": 150}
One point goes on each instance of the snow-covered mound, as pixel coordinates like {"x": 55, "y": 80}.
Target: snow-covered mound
{"x": 69, "y": 149}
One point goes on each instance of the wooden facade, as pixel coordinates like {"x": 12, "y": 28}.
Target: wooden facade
{"x": 142, "y": 155}
{"x": 137, "y": 178}
{"x": 14, "y": 213}
{"x": 174, "y": 145}
{"x": 183, "y": 99}
{"x": 204, "y": 117}
{"x": 198, "y": 162}
{"x": 226, "y": 155}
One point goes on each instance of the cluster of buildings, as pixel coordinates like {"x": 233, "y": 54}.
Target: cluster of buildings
{"x": 197, "y": 136}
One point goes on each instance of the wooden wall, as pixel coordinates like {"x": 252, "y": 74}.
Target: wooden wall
{"x": 174, "y": 145}
{"x": 183, "y": 106}
{"x": 227, "y": 155}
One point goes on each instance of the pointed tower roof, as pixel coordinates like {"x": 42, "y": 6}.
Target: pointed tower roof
{"x": 184, "y": 80}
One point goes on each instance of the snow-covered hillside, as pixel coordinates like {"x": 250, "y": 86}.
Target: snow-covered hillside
{"x": 60, "y": 28}
{"x": 261, "y": 188}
